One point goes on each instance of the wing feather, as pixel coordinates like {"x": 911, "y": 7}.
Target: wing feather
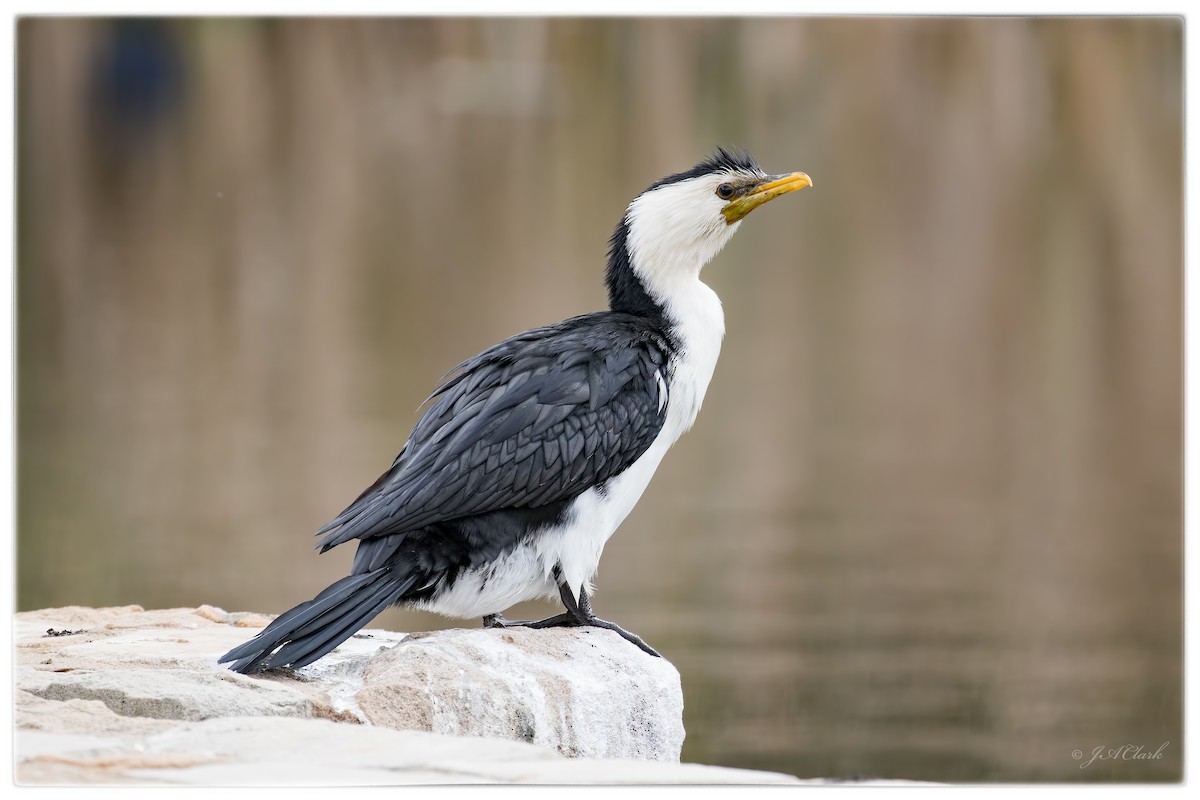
{"x": 537, "y": 419}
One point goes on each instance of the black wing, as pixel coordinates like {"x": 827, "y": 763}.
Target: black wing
{"x": 536, "y": 419}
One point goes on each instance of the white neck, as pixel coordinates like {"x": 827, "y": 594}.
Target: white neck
{"x": 668, "y": 248}
{"x": 674, "y": 231}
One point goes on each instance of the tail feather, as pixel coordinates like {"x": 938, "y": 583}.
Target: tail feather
{"x": 310, "y": 630}
{"x": 302, "y": 651}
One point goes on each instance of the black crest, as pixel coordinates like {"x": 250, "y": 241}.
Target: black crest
{"x": 724, "y": 160}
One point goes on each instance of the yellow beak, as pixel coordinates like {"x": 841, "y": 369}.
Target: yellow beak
{"x": 772, "y": 188}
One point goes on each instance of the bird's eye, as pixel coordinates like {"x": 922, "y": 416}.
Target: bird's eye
{"x": 725, "y": 191}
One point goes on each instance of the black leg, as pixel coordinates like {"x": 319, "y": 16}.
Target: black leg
{"x": 588, "y": 618}
{"x": 581, "y": 610}
{"x": 579, "y": 614}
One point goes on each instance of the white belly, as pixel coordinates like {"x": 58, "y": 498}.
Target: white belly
{"x": 526, "y": 572}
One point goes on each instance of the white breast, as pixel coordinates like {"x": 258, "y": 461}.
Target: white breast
{"x": 699, "y": 326}
{"x": 526, "y": 573}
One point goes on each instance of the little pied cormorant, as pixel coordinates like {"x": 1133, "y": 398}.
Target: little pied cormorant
{"x": 533, "y": 453}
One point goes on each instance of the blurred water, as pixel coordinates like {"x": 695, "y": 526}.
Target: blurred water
{"x": 929, "y": 524}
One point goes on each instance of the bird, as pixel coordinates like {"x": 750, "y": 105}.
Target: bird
{"x": 531, "y": 454}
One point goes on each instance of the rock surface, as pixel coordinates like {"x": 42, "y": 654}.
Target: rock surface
{"x": 585, "y": 693}
{"x": 124, "y": 695}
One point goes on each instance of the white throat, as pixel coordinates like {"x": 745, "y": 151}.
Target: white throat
{"x": 674, "y": 231}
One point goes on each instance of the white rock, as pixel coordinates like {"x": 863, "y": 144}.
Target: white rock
{"x": 583, "y": 692}
{"x": 130, "y": 696}
{"x": 170, "y": 693}
{"x": 257, "y": 750}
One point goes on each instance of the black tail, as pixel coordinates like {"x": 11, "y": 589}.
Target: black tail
{"x": 310, "y": 630}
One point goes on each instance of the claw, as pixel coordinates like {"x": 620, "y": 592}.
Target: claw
{"x": 632, "y": 638}
{"x": 498, "y": 621}
{"x": 578, "y": 614}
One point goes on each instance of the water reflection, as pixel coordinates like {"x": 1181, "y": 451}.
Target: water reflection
{"x": 929, "y": 522}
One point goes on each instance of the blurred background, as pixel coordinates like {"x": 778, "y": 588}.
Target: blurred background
{"x": 929, "y": 523}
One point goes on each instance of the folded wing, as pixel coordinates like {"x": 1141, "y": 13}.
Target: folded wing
{"x": 530, "y": 422}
